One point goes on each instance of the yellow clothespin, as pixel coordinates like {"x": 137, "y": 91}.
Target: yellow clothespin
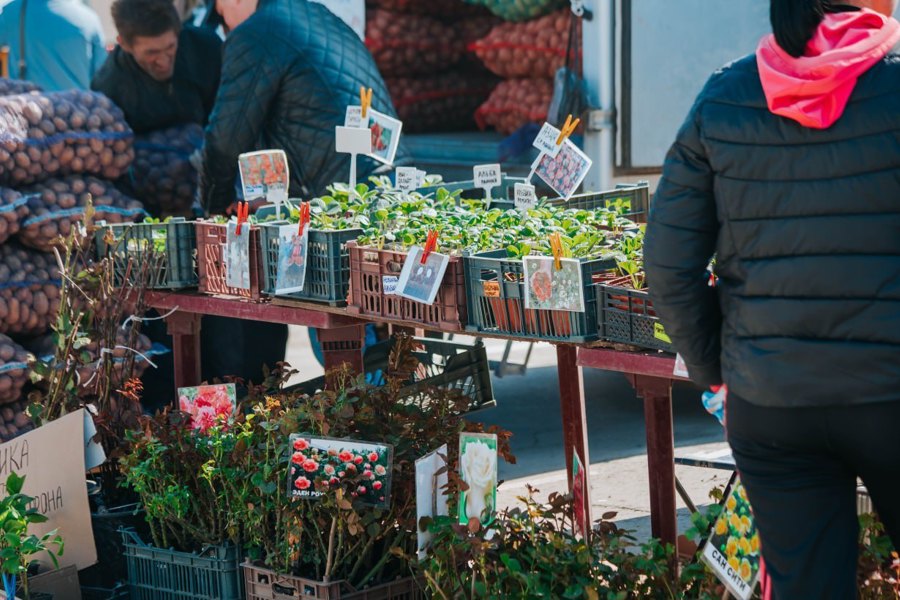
{"x": 556, "y": 247}
{"x": 365, "y": 100}
{"x": 567, "y": 130}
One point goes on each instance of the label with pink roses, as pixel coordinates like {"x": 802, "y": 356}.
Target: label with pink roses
{"x": 208, "y": 405}
{"x": 320, "y": 465}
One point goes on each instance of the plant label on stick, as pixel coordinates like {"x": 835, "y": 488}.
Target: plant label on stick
{"x": 321, "y": 465}
{"x": 487, "y": 177}
{"x": 546, "y": 140}
{"x": 431, "y": 499}
{"x": 525, "y": 197}
{"x": 265, "y": 175}
{"x": 237, "y": 256}
{"x": 353, "y": 117}
{"x": 406, "y": 178}
{"x": 421, "y": 278}
{"x": 581, "y": 497}
{"x": 353, "y": 141}
{"x": 478, "y": 468}
{"x": 732, "y": 550}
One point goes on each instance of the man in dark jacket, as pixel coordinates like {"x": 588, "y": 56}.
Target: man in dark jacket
{"x": 289, "y": 71}
{"x": 161, "y": 74}
{"x": 788, "y": 170}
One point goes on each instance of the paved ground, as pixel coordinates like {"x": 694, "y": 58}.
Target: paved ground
{"x": 529, "y": 407}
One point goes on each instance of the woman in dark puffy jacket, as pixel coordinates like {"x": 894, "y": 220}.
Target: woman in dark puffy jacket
{"x": 787, "y": 170}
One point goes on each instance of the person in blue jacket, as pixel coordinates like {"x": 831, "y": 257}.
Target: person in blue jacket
{"x": 62, "y": 42}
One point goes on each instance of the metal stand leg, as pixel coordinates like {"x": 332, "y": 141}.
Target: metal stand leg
{"x": 571, "y": 398}
{"x": 185, "y": 331}
{"x": 657, "y": 395}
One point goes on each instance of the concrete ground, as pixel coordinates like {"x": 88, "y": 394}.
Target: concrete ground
{"x": 528, "y": 406}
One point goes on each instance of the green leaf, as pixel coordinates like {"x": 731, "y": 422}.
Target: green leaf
{"x": 14, "y": 483}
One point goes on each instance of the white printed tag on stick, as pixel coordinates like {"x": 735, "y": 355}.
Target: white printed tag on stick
{"x": 546, "y": 140}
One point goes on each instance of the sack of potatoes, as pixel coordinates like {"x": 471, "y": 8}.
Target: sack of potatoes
{"x": 515, "y": 103}
{"x": 52, "y": 134}
{"x": 520, "y": 10}
{"x": 29, "y": 290}
{"x": 10, "y": 87}
{"x": 55, "y": 205}
{"x": 407, "y": 45}
{"x": 13, "y": 370}
{"x": 445, "y": 102}
{"x": 14, "y": 420}
{"x": 13, "y": 210}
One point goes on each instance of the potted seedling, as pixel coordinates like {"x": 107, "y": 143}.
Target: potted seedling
{"x": 17, "y": 545}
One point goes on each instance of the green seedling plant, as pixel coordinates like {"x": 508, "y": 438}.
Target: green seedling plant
{"x": 17, "y": 545}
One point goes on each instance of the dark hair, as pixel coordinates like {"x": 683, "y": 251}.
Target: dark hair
{"x": 145, "y": 18}
{"x": 795, "y": 21}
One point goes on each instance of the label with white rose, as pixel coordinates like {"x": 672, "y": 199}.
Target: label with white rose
{"x": 549, "y": 288}
{"x": 321, "y": 465}
{"x": 478, "y": 468}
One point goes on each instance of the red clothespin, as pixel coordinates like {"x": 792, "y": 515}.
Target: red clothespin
{"x": 243, "y": 213}
{"x": 304, "y": 218}
{"x": 430, "y": 245}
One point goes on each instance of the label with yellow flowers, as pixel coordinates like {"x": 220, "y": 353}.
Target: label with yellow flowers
{"x": 732, "y": 550}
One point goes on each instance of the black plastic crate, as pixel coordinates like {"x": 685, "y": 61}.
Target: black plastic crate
{"x": 626, "y": 316}
{"x": 495, "y": 292}
{"x": 637, "y": 195}
{"x": 160, "y": 574}
{"x": 166, "y": 251}
{"x": 327, "y": 266}
{"x": 442, "y": 364}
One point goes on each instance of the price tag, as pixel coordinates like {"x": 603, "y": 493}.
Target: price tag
{"x": 389, "y": 284}
{"x": 546, "y": 140}
{"x": 407, "y": 179}
{"x": 487, "y": 176}
{"x": 353, "y": 118}
{"x": 526, "y": 197}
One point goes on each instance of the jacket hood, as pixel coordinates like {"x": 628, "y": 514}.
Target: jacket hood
{"x": 814, "y": 88}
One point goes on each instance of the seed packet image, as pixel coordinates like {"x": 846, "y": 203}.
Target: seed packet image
{"x": 265, "y": 174}
{"x": 478, "y": 468}
{"x": 549, "y": 288}
{"x": 292, "y": 252}
{"x": 385, "y": 136}
{"x": 732, "y": 550}
{"x": 319, "y": 465}
{"x": 237, "y": 257}
{"x": 421, "y": 282}
{"x": 431, "y": 499}
{"x": 208, "y": 405}
{"x": 580, "y": 491}
{"x": 566, "y": 171}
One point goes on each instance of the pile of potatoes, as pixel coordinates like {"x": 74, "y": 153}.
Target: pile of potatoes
{"x": 55, "y": 205}
{"x": 514, "y": 103}
{"x": 29, "y": 290}
{"x": 13, "y": 371}
{"x": 9, "y": 87}
{"x": 445, "y": 102}
{"x": 533, "y": 49}
{"x": 13, "y": 210}
{"x": 14, "y": 420}
{"x": 162, "y": 176}
{"x": 408, "y": 45}
{"x": 520, "y": 10}
{"x": 61, "y": 133}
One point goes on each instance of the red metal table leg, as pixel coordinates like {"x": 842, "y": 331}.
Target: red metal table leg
{"x": 343, "y": 345}
{"x": 571, "y": 398}
{"x": 185, "y": 331}
{"x": 657, "y": 395}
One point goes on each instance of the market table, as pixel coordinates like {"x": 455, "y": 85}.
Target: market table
{"x": 652, "y": 375}
{"x": 341, "y": 336}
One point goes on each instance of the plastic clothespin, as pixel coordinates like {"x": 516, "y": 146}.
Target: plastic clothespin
{"x": 567, "y": 130}
{"x": 430, "y": 245}
{"x": 243, "y": 213}
{"x": 304, "y": 218}
{"x": 556, "y": 247}
{"x": 365, "y": 100}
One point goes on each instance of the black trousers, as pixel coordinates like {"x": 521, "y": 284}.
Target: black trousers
{"x": 799, "y": 467}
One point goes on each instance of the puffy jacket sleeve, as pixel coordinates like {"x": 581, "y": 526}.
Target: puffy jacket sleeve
{"x": 251, "y": 74}
{"x": 681, "y": 238}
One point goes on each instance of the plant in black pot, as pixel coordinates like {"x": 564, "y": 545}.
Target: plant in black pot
{"x": 17, "y": 546}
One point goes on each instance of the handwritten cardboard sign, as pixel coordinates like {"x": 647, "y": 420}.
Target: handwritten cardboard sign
{"x": 407, "y": 178}
{"x": 487, "y": 177}
{"x": 525, "y": 196}
{"x": 353, "y": 117}
{"x": 54, "y": 477}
